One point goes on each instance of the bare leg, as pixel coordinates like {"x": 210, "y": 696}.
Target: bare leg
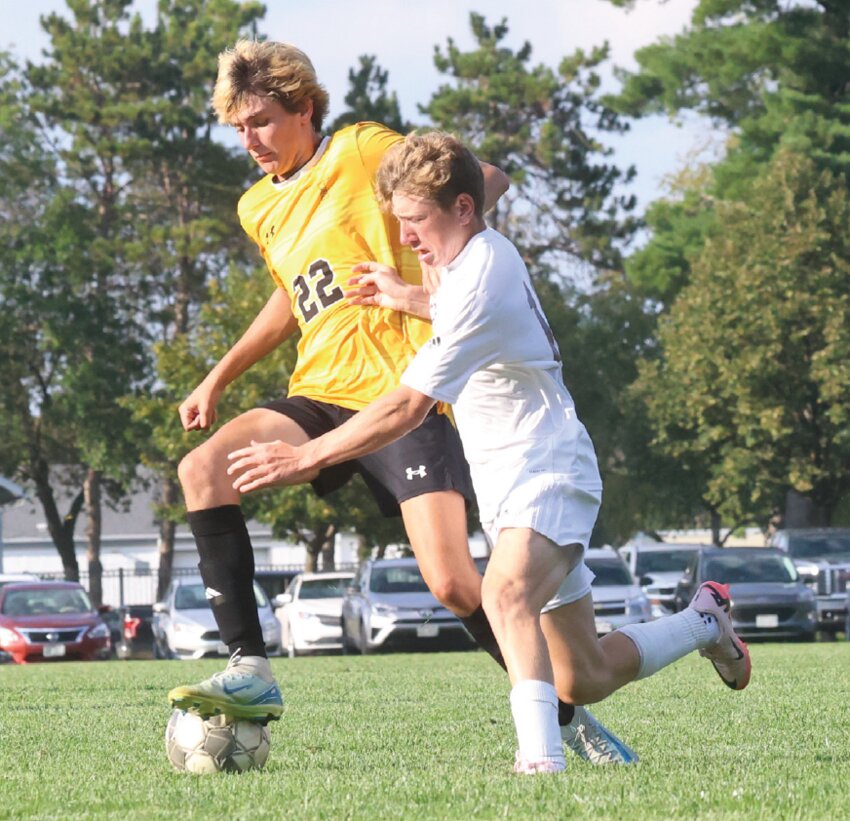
{"x": 436, "y": 528}
{"x": 203, "y": 472}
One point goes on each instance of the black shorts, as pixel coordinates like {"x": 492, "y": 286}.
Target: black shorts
{"x": 426, "y": 460}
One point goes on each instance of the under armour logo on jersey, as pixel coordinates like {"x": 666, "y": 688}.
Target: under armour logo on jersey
{"x": 434, "y": 341}
{"x": 421, "y": 473}
{"x": 211, "y": 593}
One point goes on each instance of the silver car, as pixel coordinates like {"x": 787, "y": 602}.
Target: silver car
{"x": 389, "y": 606}
{"x": 617, "y": 597}
{"x": 184, "y": 626}
{"x": 658, "y": 566}
{"x": 309, "y": 612}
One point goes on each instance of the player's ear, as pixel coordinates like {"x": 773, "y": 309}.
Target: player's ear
{"x": 465, "y": 208}
{"x": 306, "y": 112}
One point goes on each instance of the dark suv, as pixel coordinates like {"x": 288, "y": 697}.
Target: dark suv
{"x": 822, "y": 558}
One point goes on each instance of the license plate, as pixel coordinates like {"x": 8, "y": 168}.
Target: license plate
{"x": 767, "y": 620}
{"x": 603, "y": 627}
{"x": 428, "y": 631}
{"x": 52, "y": 651}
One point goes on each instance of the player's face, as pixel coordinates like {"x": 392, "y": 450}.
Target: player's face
{"x": 437, "y": 235}
{"x": 279, "y": 141}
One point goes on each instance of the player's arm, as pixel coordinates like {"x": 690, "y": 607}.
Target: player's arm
{"x": 267, "y": 464}
{"x": 380, "y": 285}
{"x": 496, "y": 183}
{"x": 273, "y": 325}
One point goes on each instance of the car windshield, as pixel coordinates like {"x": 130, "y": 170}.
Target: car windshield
{"x": 609, "y": 573}
{"x": 404, "y": 579}
{"x": 747, "y": 567}
{"x": 45, "y": 602}
{"x": 662, "y": 561}
{"x": 193, "y": 597}
{"x": 819, "y": 546}
{"x": 323, "y": 588}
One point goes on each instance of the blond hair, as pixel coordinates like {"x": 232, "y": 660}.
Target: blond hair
{"x": 435, "y": 166}
{"x": 267, "y": 69}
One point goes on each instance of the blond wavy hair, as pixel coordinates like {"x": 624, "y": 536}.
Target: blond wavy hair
{"x": 435, "y": 166}
{"x": 267, "y": 69}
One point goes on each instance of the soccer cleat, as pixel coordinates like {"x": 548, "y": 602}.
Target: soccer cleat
{"x": 729, "y": 655}
{"x": 232, "y": 692}
{"x": 589, "y": 740}
{"x": 524, "y": 767}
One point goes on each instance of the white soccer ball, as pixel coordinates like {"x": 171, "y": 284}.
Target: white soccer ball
{"x": 218, "y": 744}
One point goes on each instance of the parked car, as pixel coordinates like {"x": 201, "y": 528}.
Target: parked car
{"x": 11, "y": 578}
{"x": 389, "y": 606}
{"x": 617, "y": 597}
{"x": 822, "y": 558}
{"x": 184, "y": 626}
{"x": 136, "y": 640}
{"x": 769, "y": 599}
{"x": 43, "y": 621}
{"x": 275, "y": 582}
{"x": 658, "y": 566}
{"x": 310, "y": 612}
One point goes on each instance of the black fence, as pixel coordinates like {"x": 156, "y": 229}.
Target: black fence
{"x": 126, "y": 586}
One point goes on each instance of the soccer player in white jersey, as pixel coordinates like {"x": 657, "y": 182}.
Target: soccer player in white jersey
{"x": 494, "y": 358}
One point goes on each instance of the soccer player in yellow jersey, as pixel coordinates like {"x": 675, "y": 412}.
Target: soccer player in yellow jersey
{"x": 315, "y": 216}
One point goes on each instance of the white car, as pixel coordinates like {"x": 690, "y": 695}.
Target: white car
{"x": 617, "y": 597}
{"x": 309, "y": 612}
{"x": 184, "y": 626}
{"x": 658, "y": 567}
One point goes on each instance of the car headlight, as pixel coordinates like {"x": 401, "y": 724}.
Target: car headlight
{"x": 383, "y": 610}
{"x": 99, "y": 631}
{"x": 188, "y": 627}
{"x": 306, "y": 616}
{"x": 8, "y": 636}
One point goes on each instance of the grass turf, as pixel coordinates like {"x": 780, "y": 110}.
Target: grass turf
{"x": 429, "y": 736}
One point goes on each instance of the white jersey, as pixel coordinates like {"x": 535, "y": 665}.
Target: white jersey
{"x": 494, "y": 358}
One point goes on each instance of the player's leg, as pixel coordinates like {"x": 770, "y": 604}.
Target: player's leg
{"x": 588, "y": 669}
{"x": 524, "y": 572}
{"x": 246, "y": 689}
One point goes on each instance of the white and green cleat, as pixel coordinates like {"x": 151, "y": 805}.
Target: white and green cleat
{"x": 588, "y": 738}
{"x": 239, "y": 691}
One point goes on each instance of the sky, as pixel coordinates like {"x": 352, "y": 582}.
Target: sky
{"x": 403, "y": 34}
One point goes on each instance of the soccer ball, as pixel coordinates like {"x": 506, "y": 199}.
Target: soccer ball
{"x": 218, "y": 744}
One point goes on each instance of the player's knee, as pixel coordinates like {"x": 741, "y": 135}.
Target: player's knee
{"x": 459, "y": 596}
{"x": 194, "y": 468}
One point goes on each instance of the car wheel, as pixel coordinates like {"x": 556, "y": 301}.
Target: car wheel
{"x": 365, "y": 649}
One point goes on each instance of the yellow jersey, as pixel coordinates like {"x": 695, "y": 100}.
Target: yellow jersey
{"x": 311, "y": 230}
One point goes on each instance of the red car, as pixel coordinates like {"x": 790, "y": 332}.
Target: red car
{"x": 46, "y": 621}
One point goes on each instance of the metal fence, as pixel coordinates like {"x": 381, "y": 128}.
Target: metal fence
{"x": 127, "y": 586}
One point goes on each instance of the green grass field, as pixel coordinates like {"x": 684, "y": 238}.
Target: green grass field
{"x": 429, "y": 736}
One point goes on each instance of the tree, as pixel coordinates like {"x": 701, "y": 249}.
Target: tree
{"x": 543, "y": 128}
{"x": 368, "y": 98}
{"x": 751, "y": 388}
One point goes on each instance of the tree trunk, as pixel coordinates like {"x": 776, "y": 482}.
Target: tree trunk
{"x": 167, "y": 529}
{"x": 803, "y": 511}
{"x": 61, "y": 529}
{"x": 328, "y": 549}
{"x": 91, "y": 492}
{"x": 715, "y": 528}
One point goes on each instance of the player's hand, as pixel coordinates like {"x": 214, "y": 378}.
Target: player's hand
{"x": 267, "y": 464}
{"x": 198, "y": 409}
{"x": 377, "y": 284}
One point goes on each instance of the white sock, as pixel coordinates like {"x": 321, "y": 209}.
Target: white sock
{"x": 257, "y": 665}
{"x": 667, "y": 639}
{"x": 534, "y": 705}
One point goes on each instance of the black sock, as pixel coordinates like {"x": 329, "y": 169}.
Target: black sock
{"x": 479, "y": 628}
{"x": 227, "y": 568}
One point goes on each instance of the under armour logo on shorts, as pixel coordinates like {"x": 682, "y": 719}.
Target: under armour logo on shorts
{"x": 421, "y": 473}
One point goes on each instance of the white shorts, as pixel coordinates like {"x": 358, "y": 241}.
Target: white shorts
{"x": 564, "y": 514}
